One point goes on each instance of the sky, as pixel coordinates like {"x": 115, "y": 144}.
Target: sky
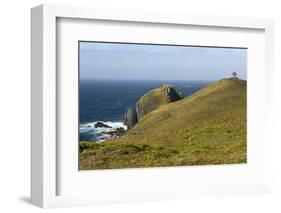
{"x": 121, "y": 61}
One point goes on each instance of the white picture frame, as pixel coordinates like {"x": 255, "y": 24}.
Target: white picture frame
{"x": 44, "y": 150}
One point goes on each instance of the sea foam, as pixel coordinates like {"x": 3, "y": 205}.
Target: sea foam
{"x": 100, "y": 134}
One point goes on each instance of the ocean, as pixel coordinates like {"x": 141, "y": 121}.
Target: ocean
{"x": 107, "y": 100}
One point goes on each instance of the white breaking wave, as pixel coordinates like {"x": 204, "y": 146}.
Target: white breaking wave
{"x": 100, "y": 132}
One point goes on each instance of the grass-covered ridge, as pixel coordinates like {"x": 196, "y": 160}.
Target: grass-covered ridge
{"x": 208, "y": 127}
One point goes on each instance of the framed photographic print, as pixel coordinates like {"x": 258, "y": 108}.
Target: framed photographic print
{"x": 130, "y": 106}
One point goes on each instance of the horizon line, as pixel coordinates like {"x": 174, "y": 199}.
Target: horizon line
{"x": 103, "y": 79}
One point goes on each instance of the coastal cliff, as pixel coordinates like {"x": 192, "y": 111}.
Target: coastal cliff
{"x": 130, "y": 118}
{"x": 149, "y": 102}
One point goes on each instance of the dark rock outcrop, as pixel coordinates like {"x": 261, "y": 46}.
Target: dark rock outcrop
{"x": 116, "y": 132}
{"x": 149, "y": 102}
{"x": 101, "y": 125}
{"x": 130, "y": 118}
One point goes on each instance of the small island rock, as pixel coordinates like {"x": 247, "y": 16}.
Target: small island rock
{"x": 101, "y": 125}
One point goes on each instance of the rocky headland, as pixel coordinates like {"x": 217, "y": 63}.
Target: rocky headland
{"x": 149, "y": 102}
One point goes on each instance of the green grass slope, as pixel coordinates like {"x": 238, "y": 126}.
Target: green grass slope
{"x": 208, "y": 127}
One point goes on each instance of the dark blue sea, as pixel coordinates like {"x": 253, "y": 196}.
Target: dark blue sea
{"x": 108, "y": 100}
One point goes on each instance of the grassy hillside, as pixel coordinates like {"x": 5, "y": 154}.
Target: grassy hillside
{"x": 208, "y": 127}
